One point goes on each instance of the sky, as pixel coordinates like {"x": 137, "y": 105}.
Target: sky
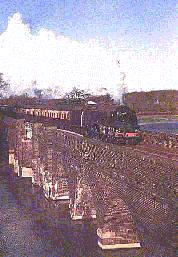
{"x": 67, "y": 43}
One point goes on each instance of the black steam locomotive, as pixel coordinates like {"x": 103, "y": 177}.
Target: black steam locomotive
{"x": 119, "y": 126}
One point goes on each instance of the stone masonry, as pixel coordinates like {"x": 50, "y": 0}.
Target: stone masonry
{"x": 125, "y": 190}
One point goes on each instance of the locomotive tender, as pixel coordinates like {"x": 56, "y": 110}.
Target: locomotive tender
{"x": 117, "y": 126}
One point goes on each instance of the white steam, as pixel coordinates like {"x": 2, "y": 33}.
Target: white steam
{"x": 55, "y": 62}
{"x": 58, "y": 63}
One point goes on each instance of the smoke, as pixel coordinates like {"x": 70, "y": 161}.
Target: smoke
{"x": 55, "y": 62}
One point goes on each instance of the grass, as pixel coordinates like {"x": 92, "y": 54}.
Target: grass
{"x": 158, "y": 118}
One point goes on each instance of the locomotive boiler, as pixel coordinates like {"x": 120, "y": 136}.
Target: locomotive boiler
{"x": 118, "y": 126}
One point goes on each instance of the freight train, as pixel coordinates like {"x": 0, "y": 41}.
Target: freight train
{"x": 117, "y": 126}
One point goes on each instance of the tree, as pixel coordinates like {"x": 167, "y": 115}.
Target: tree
{"x": 109, "y": 97}
{"x": 38, "y": 93}
{"x": 171, "y": 106}
{"x": 4, "y": 86}
{"x": 77, "y": 95}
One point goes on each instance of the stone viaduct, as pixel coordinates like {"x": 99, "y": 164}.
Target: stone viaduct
{"x": 127, "y": 191}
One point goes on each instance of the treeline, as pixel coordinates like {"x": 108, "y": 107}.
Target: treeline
{"x": 153, "y": 101}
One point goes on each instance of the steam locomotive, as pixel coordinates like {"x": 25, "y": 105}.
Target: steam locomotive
{"x": 119, "y": 126}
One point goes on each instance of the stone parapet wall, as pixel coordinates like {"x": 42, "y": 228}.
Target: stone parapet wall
{"x": 145, "y": 182}
{"x": 19, "y": 147}
{"x": 160, "y": 139}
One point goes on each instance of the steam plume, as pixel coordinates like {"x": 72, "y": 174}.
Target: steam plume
{"x": 55, "y": 62}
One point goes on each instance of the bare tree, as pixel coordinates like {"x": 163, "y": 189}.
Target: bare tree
{"x": 77, "y": 95}
{"x": 4, "y": 86}
{"x": 38, "y": 93}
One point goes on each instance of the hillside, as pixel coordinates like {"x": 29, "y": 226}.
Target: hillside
{"x": 153, "y": 101}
